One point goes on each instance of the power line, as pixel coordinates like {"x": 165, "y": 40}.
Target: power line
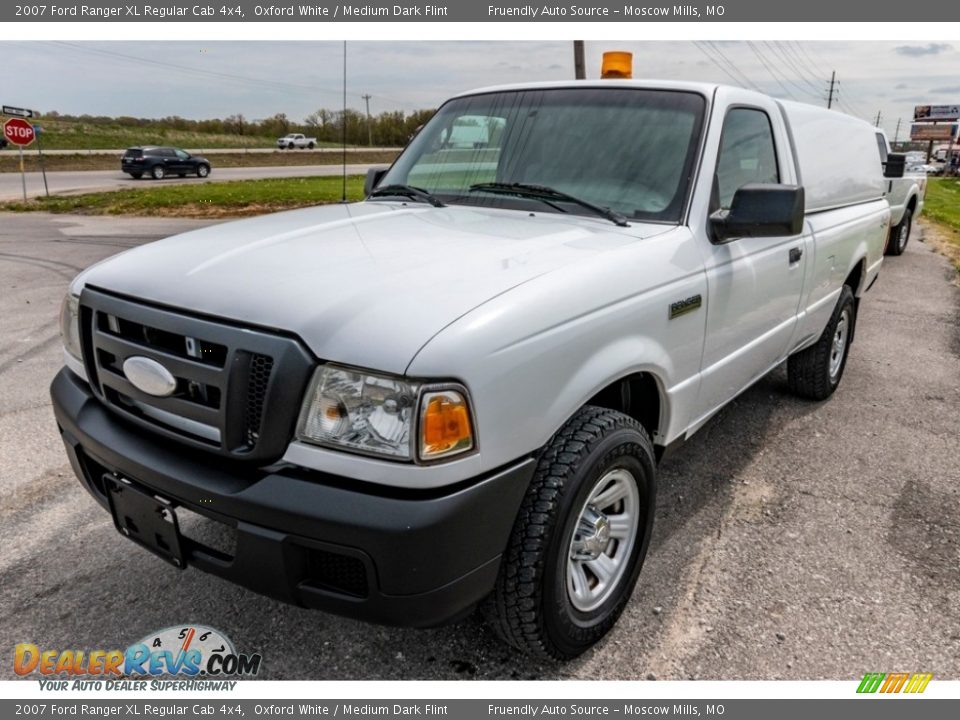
{"x": 852, "y": 107}
{"x": 738, "y": 76}
{"x": 816, "y": 66}
{"x": 731, "y": 63}
{"x": 230, "y": 77}
{"x": 741, "y": 81}
{"x": 764, "y": 63}
{"x": 786, "y": 75}
{"x": 798, "y": 67}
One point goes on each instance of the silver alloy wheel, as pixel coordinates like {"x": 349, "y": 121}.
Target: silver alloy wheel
{"x": 202, "y": 171}
{"x": 904, "y": 233}
{"x": 603, "y": 540}
{"x": 839, "y": 346}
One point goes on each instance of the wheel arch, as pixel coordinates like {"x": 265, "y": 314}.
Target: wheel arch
{"x": 638, "y": 395}
{"x": 855, "y": 278}
{"x": 913, "y": 201}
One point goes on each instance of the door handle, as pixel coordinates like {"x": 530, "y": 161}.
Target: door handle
{"x": 795, "y": 255}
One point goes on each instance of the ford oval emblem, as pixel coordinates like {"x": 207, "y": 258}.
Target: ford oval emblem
{"x": 149, "y": 376}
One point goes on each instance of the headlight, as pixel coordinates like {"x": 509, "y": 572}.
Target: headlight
{"x": 70, "y": 325}
{"x": 378, "y": 415}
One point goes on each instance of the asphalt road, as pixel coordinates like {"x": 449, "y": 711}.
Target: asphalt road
{"x": 794, "y": 540}
{"x": 11, "y": 187}
{"x": 223, "y": 151}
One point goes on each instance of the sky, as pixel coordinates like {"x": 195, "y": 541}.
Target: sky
{"x": 259, "y": 79}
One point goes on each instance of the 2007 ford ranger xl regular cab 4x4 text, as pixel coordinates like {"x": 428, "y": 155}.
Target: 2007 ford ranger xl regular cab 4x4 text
{"x": 455, "y": 393}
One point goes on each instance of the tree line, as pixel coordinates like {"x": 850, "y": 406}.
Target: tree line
{"x": 387, "y": 129}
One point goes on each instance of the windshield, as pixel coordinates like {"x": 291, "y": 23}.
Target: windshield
{"x": 628, "y": 149}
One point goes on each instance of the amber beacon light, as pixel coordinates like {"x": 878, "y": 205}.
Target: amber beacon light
{"x": 617, "y": 65}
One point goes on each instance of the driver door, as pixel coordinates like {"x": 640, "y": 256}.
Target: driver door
{"x": 754, "y": 283}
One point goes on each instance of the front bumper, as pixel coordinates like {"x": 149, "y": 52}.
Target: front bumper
{"x": 308, "y": 538}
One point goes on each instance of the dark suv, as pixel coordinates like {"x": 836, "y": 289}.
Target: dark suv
{"x": 159, "y": 162}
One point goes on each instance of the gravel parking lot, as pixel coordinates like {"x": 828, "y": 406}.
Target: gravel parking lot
{"x": 794, "y": 540}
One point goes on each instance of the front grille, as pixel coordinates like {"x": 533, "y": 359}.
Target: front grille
{"x": 228, "y": 379}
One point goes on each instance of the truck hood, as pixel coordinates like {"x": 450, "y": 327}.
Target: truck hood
{"x": 365, "y": 284}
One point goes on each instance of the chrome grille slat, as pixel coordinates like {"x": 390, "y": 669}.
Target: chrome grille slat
{"x": 177, "y": 406}
{"x": 180, "y": 367}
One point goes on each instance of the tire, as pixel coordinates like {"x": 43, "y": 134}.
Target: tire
{"x": 157, "y": 172}
{"x": 815, "y": 372}
{"x": 310, "y": 146}
{"x": 900, "y": 235}
{"x": 536, "y": 606}
{"x": 203, "y": 171}
{"x": 289, "y": 146}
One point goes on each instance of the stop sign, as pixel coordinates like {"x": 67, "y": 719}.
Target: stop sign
{"x": 18, "y": 131}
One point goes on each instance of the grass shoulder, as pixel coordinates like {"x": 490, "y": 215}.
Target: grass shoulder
{"x": 239, "y": 198}
{"x": 942, "y": 208}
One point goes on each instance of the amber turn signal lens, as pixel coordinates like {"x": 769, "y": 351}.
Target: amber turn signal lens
{"x": 444, "y": 425}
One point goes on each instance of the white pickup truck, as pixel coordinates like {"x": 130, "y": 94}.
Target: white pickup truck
{"x": 905, "y": 196}
{"x": 296, "y": 140}
{"x": 456, "y": 392}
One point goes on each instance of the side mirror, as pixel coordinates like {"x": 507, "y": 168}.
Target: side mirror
{"x": 374, "y": 176}
{"x": 760, "y": 210}
{"x": 895, "y": 165}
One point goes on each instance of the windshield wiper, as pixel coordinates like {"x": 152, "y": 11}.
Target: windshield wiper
{"x": 543, "y": 192}
{"x": 408, "y": 191}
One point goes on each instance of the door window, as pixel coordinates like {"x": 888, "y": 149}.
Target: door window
{"x": 747, "y": 154}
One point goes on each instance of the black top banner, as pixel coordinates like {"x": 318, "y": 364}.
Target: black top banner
{"x": 481, "y": 11}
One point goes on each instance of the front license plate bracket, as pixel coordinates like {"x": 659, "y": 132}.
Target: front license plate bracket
{"x": 146, "y": 519}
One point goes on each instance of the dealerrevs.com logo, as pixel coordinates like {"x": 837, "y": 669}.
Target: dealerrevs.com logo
{"x": 188, "y": 651}
{"x": 887, "y": 683}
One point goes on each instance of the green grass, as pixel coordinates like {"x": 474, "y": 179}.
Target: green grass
{"x": 75, "y": 135}
{"x": 943, "y": 207}
{"x": 202, "y": 200}
{"x": 943, "y": 201}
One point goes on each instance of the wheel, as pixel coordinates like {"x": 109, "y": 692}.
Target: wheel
{"x": 136, "y": 176}
{"x": 289, "y": 146}
{"x": 900, "y": 235}
{"x": 203, "y": 170}
{"x": 579, "y": 539}
{"x": 815, "y": 372}
{"x": 310, "y": 145}
{"x": 157, "y": 172}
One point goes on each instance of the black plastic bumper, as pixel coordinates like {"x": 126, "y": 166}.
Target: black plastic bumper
{"x": 404, "y": 558}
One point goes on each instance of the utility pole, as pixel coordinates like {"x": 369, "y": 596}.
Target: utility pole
{"x": 833, "y": 82}
{"x": 579, "y": 68}
{"x": 369, "y": 126}
{"x": 876, "y": 123}
{"x": 896, "y": 133}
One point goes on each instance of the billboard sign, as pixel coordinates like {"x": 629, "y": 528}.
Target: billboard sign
{"x": 929, "y": 113}
{"x": 933, "y": 132}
